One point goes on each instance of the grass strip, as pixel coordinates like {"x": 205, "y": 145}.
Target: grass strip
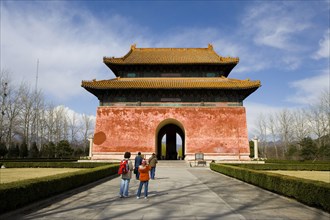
{"x": 309, "y": 192}
{"x": 17, "y": 194}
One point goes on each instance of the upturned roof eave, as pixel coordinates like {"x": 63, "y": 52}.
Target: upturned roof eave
{"x": 123, "y": 63}
{"x": 87, "y": 84}
{"x": 248, "y": 91}
{"x": 114, "y": 67}
{"x": 171, "y": 88}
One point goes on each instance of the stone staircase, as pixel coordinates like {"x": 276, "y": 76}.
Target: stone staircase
{"x": 173, "y": 163}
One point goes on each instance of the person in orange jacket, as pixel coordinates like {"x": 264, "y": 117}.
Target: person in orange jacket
{"x": 144, "y": 179}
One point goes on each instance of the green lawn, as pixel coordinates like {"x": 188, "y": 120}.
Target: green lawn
{"x": 311, "y": 175}
{"x": 8, "y": 175}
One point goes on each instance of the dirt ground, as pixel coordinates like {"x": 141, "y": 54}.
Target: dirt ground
{"x": 312, "y": 175}
{"x": 8, "y": 175}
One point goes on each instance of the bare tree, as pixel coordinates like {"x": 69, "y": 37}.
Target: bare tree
{"x": 74, "y": 128}
{"x": 60, "y": 124}
{"x": 262, "y": 130}
{"x": 42, "y": 125}
{"x": 284, "y": 119}
{"x": 27, "y": 112}
{"x": 65, "y": 125}
{"x": 87, "y": 128}
{"x": 37, "y": 99}
{"x": 301, "y": 126}
{"x": 12, "y": 111}
{"x": 25, "y": 117}
{"x": 49, "y": 121}
{"x": 319, "y": 117}
{"x": 272, "y": 125}
{"x": 4, "y": 86}
{"x": 325, "y": 106}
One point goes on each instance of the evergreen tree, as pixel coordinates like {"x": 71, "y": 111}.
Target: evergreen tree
{"x": 23, "y": 150}
{"x": 308, "y": 149}
{"x": 16, "y": 150}
{"x": 34, "y": 151}
{"x": 324, "y": 152}
{"x": 86, "y": 151}
{"x": 3, "y": 150}
{"x": 13, "y": 151}
{"x": 63, "y": 149}
{"x": 47, "y": 150}
{"x": 293, "y": 152}
{"x": 251, "y": 145}
{"x": 78, "y": 152}
{"x": 43, "y": 150}
{"x": 51, "y": 150}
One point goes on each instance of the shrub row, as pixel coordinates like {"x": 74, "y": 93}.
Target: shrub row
{"x": 17, "y": 194}
{"x": 52, "y": 164}
{"x": 38, "y": 159}
{"x": 316, "y": 167}
{"x": 296, "y": 161}
{"x": 312, "y": 193}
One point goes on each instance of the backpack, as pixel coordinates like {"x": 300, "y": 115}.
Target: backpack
{"x": 123, "y": 167}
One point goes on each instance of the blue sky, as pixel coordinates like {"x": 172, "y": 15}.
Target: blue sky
{"x": 284, "y": 44}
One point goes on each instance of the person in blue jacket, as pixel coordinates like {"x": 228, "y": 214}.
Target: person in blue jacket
{"x": 137, "y": 163}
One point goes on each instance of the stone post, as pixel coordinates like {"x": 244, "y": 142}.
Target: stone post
{"x": 90, "y": 147}
{"x": 255, "y": 143}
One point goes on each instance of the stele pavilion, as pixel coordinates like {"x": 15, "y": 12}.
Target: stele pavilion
{"x": 171, "y": 94}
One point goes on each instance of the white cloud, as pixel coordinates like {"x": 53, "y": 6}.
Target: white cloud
{"x": 69, "y": 43}
{"x": 324, "y": 47}
{"x": 291, "y": 62}
{"x": 187, "y": 37}
{"x": 308, "y": 90}
{"x": 72, "y": 114}
{"x": 275, "y": 24}
{"x": 76, "y": 119}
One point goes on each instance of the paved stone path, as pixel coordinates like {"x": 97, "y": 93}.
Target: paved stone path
{"x": 177, "y": 193}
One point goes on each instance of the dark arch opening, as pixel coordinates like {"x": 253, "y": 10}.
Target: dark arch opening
{"x": 172, "y": 150}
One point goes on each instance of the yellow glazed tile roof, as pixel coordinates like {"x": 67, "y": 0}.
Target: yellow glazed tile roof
{"x": 171, "y": 56}
{"x": 171, "y": 83}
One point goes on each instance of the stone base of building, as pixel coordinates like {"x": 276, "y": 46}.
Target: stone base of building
{"x": 117, "y": 156}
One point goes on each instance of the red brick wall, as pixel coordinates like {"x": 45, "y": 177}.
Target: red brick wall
{"x": 215, "y": 131}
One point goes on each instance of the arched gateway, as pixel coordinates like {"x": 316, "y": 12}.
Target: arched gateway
{"x": 169, "y": 150}
{"x": 170, "y": 94}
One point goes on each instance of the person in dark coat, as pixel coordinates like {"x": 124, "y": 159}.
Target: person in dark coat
{"x": 137, "y": 163}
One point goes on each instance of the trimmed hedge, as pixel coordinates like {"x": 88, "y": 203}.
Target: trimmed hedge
{"x": 17, "y": 194}
{"x": 53, "y": 164}
{"x": 273, "y": 166}
{"x": 38, "y": 160}
{"x": 297, "y": 161}
{"x": 312, "y": 193}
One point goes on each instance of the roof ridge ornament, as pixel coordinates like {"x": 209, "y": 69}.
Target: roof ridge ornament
{"x": 133, "y": 46}
{"x": 210, "y": 46}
